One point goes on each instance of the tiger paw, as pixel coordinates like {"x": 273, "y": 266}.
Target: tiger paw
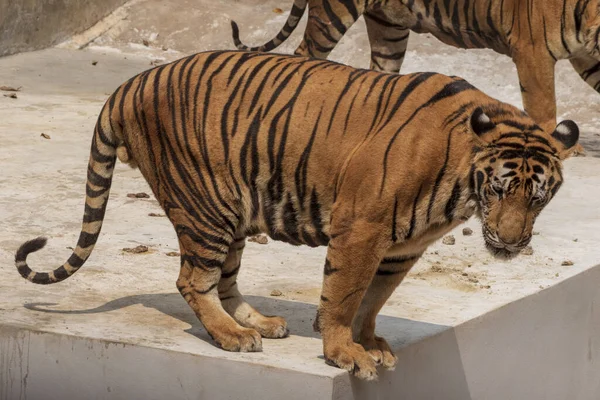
{"x": 240, "y": 339}
{"x": 578, "y": 151}
{"x": 379, "y": 349}
{"x": 272, "y": 327}
{"x": 354, "y": 359}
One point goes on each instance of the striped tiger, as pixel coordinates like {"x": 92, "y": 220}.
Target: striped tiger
{"x": 375, "y": 166}
{"x": 535, "y": 34}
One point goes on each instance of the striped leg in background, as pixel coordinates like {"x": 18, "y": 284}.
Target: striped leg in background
{"x": 326, "y": 28}
{"x": 388, "y": 42}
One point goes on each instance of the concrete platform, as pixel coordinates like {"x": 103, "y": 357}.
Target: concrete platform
{"x": 464, "y": 325}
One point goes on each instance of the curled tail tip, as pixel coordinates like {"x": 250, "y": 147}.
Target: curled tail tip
{"x": 30, "y": 246}
{"x": 24, "y": 250}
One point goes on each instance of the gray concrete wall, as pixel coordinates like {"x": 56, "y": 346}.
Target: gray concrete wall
{"x": 46, "y": 366}
{"x": 27, "y": 25}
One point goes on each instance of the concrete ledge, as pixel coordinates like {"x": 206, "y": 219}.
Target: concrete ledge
{"x": 545, "y": 346}
{"x": 27, "y": 25}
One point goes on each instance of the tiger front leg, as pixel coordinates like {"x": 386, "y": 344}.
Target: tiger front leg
{"x": 352, "y": 259}
{"x": 389, "y": 275}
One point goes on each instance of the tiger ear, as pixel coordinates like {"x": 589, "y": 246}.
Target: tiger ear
{"x": 567, "y": 135}
{"x": 480, "y": 122}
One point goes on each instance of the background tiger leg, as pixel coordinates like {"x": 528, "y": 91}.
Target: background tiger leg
{"x": 202, "y": 259}
{"x": 233, "y": 302}
{"x": 328, "y": 21}
{"x": 388, "y": 42}
{"x": 536, "y": 76}
{"x": 389, "y": 275}
{"x": 589, "y": 69}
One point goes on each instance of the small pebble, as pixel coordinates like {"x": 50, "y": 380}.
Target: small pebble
{"x": 449, "y": 240}
{"x": 94, "y": 62}
{"x": 486, "y": 286}
{"x": 140, "y": 195}
{"x": 567, "y": 263}
{"x": 146, "y": 42}
{"x": 139, "y": 249}
{"x": 556, "y": 275}
{"x": 173, "y": 254}
{"x": 276, "y": 293}
{"x": 527, "y": 251}
{"x": 465, "y": 274}
{"x": 156, "y": 215}
{"x": 45, "y": 136}
{"x": 576, "y": 240}
{"x": 467, "y": 231}
{"x": 535, "y": 233}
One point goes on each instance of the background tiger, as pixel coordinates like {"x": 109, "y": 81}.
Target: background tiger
{"x": 535, "y": 34}
{"x": 375, "y": 166}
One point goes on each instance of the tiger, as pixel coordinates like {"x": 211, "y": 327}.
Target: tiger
{"x": 535, "y": 34}
{"x": 374, "y": 166}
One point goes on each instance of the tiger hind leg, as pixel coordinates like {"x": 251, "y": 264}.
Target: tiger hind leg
{"x": 202, "y": 259}
{"x": 389, "y": 275}
{"x": 233, "y": 302}
{"x": 388, "y": 42}
{"x": 588, "y": 69}
{"x": 327, "y": 25}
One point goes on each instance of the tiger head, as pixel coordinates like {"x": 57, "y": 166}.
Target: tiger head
{"x": 591, "y": 31}
{"x": 516, "y": 171}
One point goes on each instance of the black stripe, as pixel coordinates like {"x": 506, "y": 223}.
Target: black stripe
{"x": 393, "y": 56}
{"x": 214, "y": 285}
{"x": 399, "y": 259}
{"x": 333, "y": 18}
{"x": 439, "y": 178}
{"x": 328, "y": 270}
{"x": 394, "y": 220}
{"x": 413, "y": 218}
{"x": 227, "y": 275}
{"x": 453, "y": 201}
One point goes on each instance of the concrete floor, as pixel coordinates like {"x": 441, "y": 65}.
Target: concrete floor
{"x": 131, "y": 298}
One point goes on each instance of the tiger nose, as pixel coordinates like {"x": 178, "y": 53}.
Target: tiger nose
{"x": 510, "y": 231}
